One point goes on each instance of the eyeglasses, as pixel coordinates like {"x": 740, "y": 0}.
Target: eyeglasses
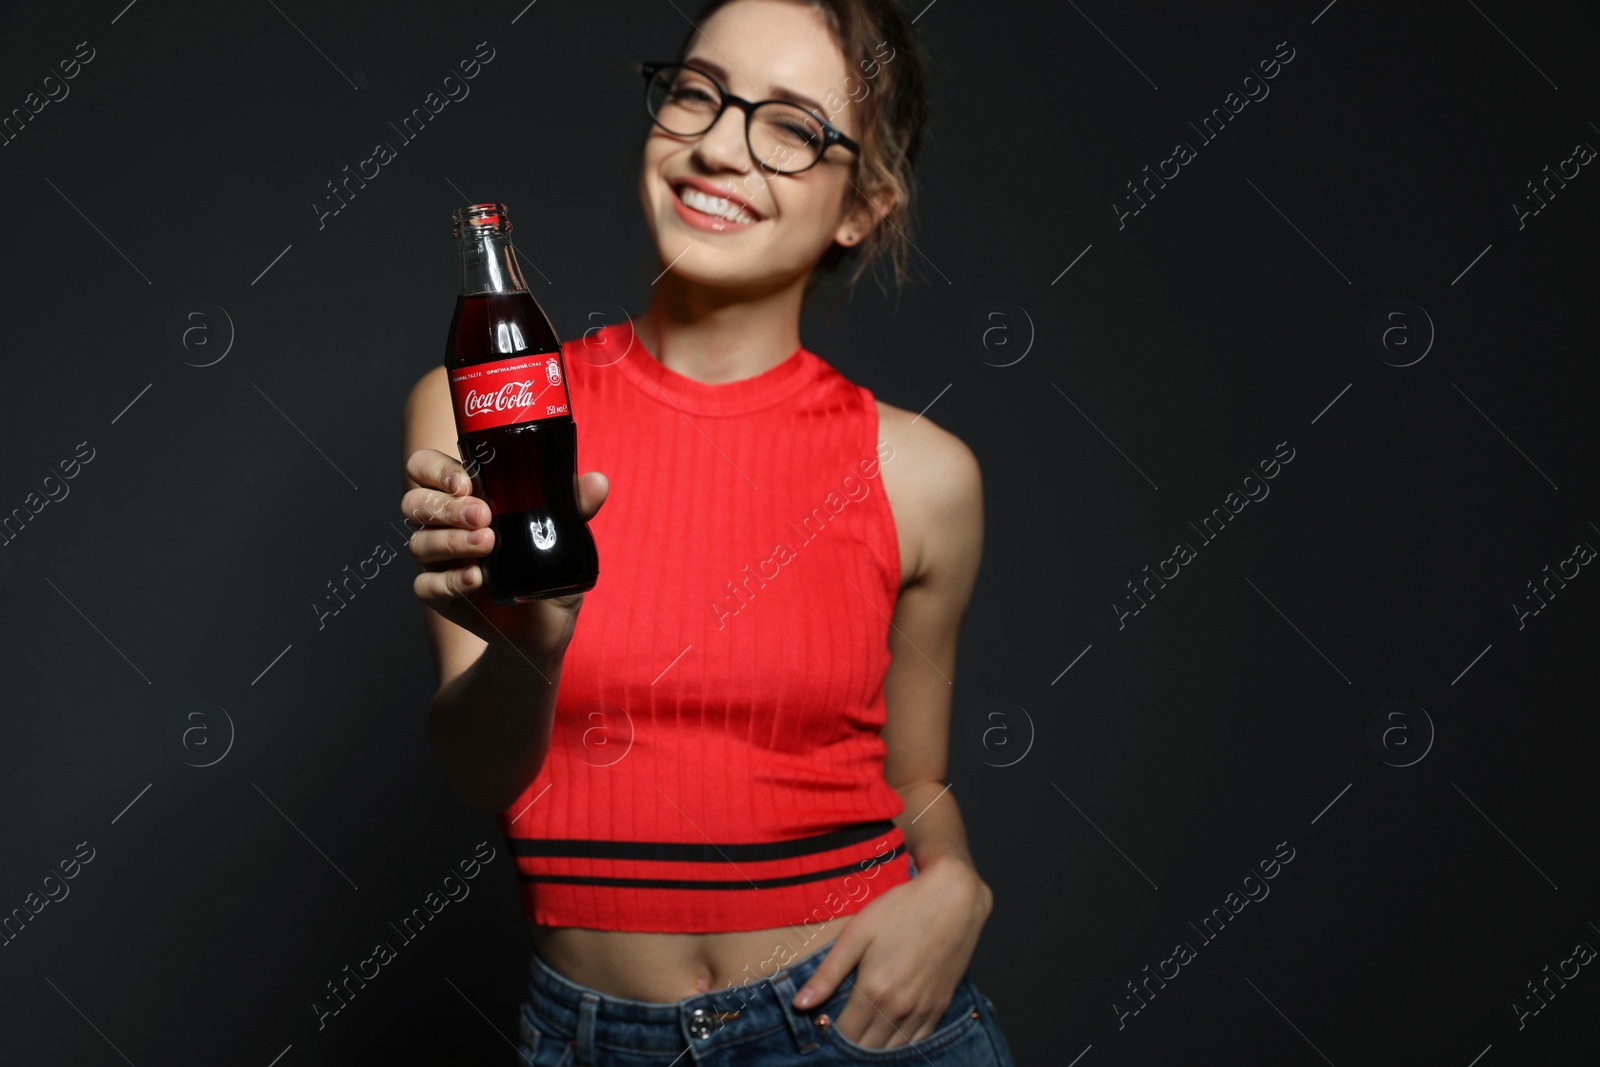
{"x": 784, "y": 138}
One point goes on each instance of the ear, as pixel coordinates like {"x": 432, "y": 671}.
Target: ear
{"x": 863, "y": 211}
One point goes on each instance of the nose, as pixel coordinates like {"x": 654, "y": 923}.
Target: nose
{"x": 723, "y": 145}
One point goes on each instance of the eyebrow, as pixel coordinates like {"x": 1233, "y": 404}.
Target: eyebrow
{"x": 779, "y": 93}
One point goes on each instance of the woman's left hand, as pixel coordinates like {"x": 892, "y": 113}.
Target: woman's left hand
{"x": 909, "y": 948}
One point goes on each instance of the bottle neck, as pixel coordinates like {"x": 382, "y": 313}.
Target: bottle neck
{"x": 489, "y": 264}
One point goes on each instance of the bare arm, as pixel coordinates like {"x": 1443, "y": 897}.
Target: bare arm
{"x": 910, "y": 954}
{"x": 499, "y": 666}
{"x": 490, "y": 725}
{"x": 935, "y": 490}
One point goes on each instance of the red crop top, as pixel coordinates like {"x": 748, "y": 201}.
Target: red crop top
{"x": 716, "y": 761}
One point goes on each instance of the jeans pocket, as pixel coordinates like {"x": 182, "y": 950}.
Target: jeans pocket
{"x": 541, "y": 1049}
{"x": 959, "y": 1024}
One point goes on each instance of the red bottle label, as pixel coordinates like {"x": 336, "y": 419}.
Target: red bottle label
{"x": 520, "y": 389}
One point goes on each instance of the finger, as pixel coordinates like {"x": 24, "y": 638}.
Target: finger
{"x": 929, "y": 1025}
{"x": 862, "y": 1022}
{"x": 907, "y": 1031}
{"x": 433, "y": 469}
{"x": 444, "y": 589}
{"x": 444, "y": 545}
{"x": 879, "y": 1028}
{"x": 432, "y": 507}
{"x": 593, "y": 488}
{"x": 840, "y": 960}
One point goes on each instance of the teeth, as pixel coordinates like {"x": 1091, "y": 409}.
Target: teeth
{"x": 718, "y": 206}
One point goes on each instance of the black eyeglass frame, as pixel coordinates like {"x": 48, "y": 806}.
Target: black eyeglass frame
{"x": 831, "y": 135}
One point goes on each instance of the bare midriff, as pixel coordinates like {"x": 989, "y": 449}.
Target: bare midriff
{"x": 665, "y": 968}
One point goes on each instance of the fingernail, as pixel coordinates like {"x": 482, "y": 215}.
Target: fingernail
{"x": 450, "y": 483}
{"x": 476, "y": 537}
{"x": 804, "y": 998}
{"x": 474, "y": 514}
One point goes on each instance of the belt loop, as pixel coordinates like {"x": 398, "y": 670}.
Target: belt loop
{"x": 583, "y": 1041}
{"x": 805, "y": 1034}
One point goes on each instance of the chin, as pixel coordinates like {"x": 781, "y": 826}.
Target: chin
{"x": 732, "y": 276}
{"x": 713, "y": 264}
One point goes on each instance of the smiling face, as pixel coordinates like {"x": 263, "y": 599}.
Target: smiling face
{"x": 718, "y": 217}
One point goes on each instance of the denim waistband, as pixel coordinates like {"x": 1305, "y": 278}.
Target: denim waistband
{"x": 727, "y": 1016}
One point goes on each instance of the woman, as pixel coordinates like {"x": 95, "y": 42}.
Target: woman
{"x": 724, "y": 786}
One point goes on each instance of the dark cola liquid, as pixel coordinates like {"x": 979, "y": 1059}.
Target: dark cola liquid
{"x": 525, "y": 472}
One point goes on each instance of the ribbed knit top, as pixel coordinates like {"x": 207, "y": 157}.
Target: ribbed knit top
{"x": 716, "y": 761}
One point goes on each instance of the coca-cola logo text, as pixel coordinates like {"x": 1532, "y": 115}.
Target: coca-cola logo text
{"x": 512, "y": 396}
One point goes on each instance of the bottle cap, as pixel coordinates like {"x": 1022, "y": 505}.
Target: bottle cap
{"x": 480, "y": 218}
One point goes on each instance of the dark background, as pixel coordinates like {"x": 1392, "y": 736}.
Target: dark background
{"x": 1230, "y": 715}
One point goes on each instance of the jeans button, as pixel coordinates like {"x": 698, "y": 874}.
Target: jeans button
{"x": 700, "y": 1023}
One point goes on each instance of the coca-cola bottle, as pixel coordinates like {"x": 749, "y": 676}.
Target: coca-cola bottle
{"x": 514, "y": 420}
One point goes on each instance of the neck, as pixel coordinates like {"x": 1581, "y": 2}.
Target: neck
{"x": 719, "y": 335}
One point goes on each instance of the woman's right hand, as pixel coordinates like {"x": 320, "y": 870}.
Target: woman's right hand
{"x": 456, "y": 535}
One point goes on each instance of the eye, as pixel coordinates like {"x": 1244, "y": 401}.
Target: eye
{"x": 801, "y": 131}
{"x": 784, "y": 124}
{"x": 692, "y": 95}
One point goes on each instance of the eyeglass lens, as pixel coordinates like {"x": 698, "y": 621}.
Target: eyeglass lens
{"x": 782, "y": 137}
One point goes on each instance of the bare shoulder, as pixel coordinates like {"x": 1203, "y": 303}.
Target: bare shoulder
{"x": 428, "y": 421}
{"x": 430, "y": 390}
{"x": 935, "y": 490}
{"x": 428, "y": 404}
{"x": 933, "y": 460}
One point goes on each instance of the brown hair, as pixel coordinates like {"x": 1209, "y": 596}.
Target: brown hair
{"x": 886, "y": 61}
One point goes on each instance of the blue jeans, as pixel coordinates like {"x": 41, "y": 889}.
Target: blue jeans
{"x": 565, "y": 1024}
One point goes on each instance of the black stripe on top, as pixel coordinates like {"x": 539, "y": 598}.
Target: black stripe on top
{"x": 696, "y": 883}
{"x": 672, "y": 851}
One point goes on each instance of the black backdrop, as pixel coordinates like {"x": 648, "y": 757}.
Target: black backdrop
{"x": 1340, "y": 274}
